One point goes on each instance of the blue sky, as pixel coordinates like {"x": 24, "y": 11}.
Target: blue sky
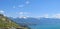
{"x": 34, "y": 8}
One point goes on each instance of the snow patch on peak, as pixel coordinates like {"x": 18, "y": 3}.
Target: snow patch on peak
{"x": 25, "y": 17}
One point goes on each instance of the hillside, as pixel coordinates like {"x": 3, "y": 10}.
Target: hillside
{"x": 6, "y": 23}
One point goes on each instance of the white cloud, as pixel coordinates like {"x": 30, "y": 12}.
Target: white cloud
{"x": 24, "y": 13}
{"x": 20, "y": 6}
{"x": 56, "y": 16}
{"x": 27, "y": 13}
{"x": 46, "y": 16}
{"x": 21, "y": 12}
{"x": 23, "y": 17}
{"x": 27, "y": 2}
{"x": 1, "y": 11}
{"x": 51, "y": 15}
{"x": 4, "y": 15}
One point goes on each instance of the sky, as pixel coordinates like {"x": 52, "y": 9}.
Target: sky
{"x": 30, "y": 8}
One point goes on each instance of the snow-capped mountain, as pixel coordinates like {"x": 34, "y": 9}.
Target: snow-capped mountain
{"x": 34, "y": 21}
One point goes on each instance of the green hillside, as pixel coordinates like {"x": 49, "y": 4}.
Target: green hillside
{"x": 5, "y": 22}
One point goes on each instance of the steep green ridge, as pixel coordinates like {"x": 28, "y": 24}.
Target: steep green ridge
{"x": 5, "y": 22}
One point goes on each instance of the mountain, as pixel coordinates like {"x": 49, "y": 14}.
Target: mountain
{"x": 7, "y": 23}
{"x": 49, "y": 21}
{"x": 28, "y": 21}
{"x": 35, "y": 21}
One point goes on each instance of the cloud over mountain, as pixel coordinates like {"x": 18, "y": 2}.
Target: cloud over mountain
{"x": 1, "y": 11}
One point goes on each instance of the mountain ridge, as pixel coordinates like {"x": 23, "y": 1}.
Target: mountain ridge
{"x": 7, "y": 23}
{"x": 35, "y": 21}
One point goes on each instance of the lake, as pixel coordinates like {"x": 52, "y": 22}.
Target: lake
{"x": 49, "y": 26}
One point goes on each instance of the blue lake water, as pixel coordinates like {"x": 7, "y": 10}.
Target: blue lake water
{"x": 45, "y": 26}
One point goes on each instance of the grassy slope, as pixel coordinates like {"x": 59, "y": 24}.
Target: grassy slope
{"x": 6, "y": 23}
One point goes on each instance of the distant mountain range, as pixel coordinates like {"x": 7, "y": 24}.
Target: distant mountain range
{"x": 35, "y": 21}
